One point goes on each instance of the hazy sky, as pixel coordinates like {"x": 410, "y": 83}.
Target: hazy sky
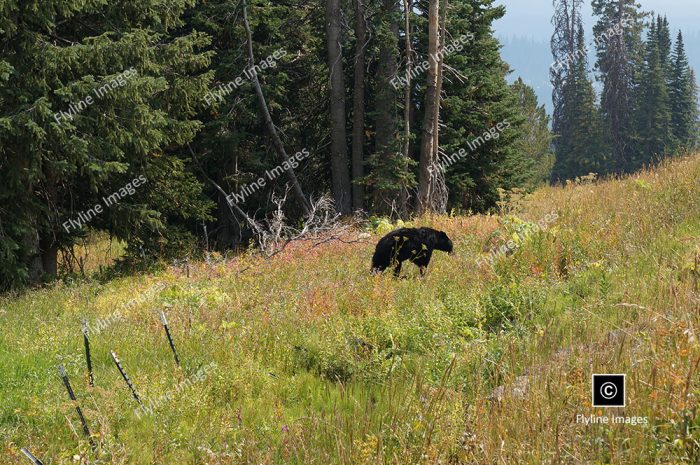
{"x": 531, "y": 18}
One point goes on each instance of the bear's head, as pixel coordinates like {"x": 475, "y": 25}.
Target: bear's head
{"x": 442, "y": 242}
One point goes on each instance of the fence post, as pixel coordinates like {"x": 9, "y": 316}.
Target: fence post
{"x": 86, "y": 341}
{"x": 126, "y": 378}
{"x": 170, "y": 338}
{"x": 31, "y": 457}
{"x": 86, "y": 430}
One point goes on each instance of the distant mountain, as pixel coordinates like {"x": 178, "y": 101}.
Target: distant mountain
{"x": 531, "y": 58}
{"x": 532, "y": 18}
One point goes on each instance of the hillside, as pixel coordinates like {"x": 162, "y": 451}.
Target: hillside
{"x": 305, "y": 358}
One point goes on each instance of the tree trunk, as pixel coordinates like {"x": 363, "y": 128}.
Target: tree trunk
{"x": 276, "y": 141}
{"x": 438, "y": 86}
{"x": 431, "y": 107}
{"x": 407, "y": 6}
{"x": 358, "y": 134}
{"x": 385, "y": 142}
{"x": 35, "y": 266}
{"x": 339, "y": 150}
{"x": 438, "y": 187}
{"x": 49, "y": 257}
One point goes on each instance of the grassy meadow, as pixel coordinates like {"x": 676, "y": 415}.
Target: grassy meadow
{"x": 307, "y": 359}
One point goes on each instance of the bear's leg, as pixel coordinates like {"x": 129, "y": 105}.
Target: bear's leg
{"x": 397, "y": 269}
{"x": 423, "y": 262}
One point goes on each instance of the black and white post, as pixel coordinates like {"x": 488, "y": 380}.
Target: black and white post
{"x": 31, "y": 457}
{"x": 126, "y": 378}
{"x": 170, "y": 338}
{"x": 86, "y": 430}
{"x": 88, "y": 358}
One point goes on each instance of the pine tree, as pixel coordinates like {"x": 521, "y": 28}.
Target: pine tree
{"x": 663, "y": 34}
{"x": 431, "y": 115}
{"x": 534, "y": 165}
{"x": 580, "y": 144}
{"x": 95, "y": 96}
{"x": 683, "y": 98}
{"x": 695, "y": 133}
{"x": 358, "y": 106}
{"x": 619, "y": 51}
{"x": 234, "y": 148}
{"x": 483, "y": 119}
{"x": 566, "y": 21}
{"x": 654, "y": 111}
{"x": 392, "y": 173}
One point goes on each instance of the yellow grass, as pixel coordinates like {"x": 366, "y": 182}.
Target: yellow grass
{"x": 319, "y": 362}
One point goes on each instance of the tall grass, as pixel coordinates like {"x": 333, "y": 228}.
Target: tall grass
{"x": 319, "y": 362}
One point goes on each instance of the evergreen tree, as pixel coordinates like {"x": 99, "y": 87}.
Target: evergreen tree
{"x": 566, "y": 21}
{"x": 684, "y": 108}
{"x": 695, "y": 133}
{"x": 195, "y": 129}
{"x": 580, "y": 144}
{"x": 654, "y": 111}
{"x": 619, "y": 51}
{"x": 534, "y": 166}
{"x": 472, "y": 114}
{"x": 234, "y": 148}
{"x": 392, "y": 173}
{"x": 95, "y": 95}
{"x": 340, "y": 173}
{"x": 663, "y": 34}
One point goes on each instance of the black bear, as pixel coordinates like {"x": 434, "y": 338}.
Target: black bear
{"x": 414, "y": 244}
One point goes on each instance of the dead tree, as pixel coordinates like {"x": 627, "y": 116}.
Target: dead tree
{"x": 407, "y": 5}
{"x": 262, "y": 103}
{"x": 432, "y": 109}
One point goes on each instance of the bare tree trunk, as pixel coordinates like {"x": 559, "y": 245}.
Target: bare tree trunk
{"x": 438, "y": 187}
{"x": 431, "y": 108}
{"x": 407, "y": 5}
{"x": 438, "y": 88}
{"x": 276, "y": 141}
{"x": 339, "y": 150}
{"x": 358, "y": 139}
